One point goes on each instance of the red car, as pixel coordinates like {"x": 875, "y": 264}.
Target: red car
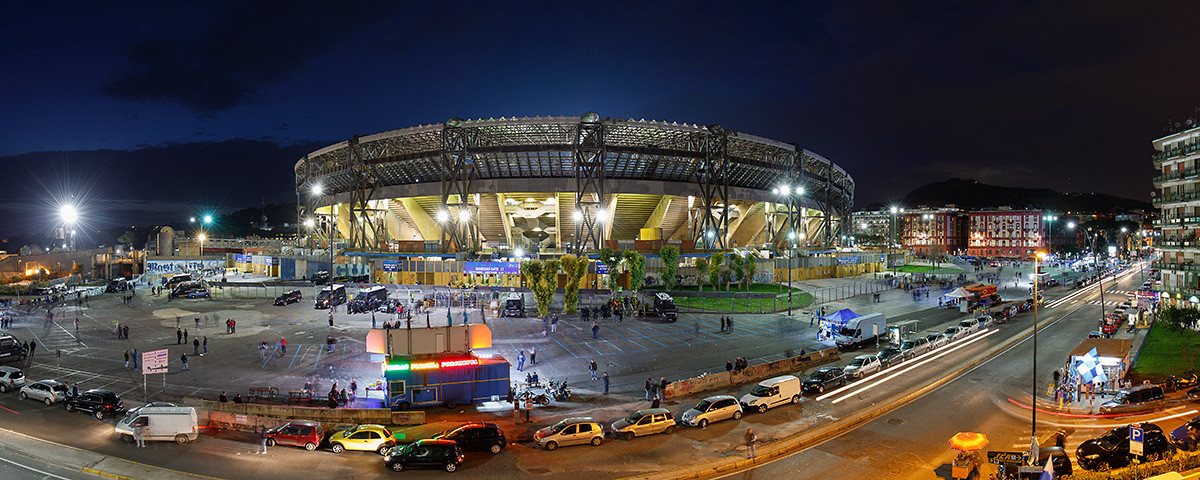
{"x": 300, "y": 433}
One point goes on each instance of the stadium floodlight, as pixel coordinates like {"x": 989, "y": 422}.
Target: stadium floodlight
{"x": 464, "y": 216}
{"x": 443, "y": 216}
{"x": 69, "y": 214}
{"x": 601, "y": 215}
{"x": 785, "y": 190}
{"x": 519, "y": 252}
{"x": 316, "y": 189}
{"x": 799, "y": 190}
{"x": 208, "y": 219}
{"x": 711, "y": 234}
{"x": 309, "y": 223}
{"x": 578, "y": 215}
{"x": 192, "y": 219}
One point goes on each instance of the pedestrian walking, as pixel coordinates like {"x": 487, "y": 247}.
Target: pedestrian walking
{"x": 592, "y": 367}
{"x": 722, "y": 323}
{"x": 196, "y": 347}
{"x": 649, "y": 387}
{"x": 729, "y": 365}
{"x": 262, "y": 442}
{"x": 197, "y": 324}
{"x": 205, "y": 352}
{"x": 595, "y": 330}
{"x": 729, "y": 324}
{"x": 76, "y": 324}
{"x": 533, "y": 356}
{"x": 353, "y": 387}
{"x": 178, "y": 336}
{"x": 554, "y": 323}
{"x": 521, "y": 361}
{"x": 606, "y": 383}
{"x": 183, "y": 360}
{"x": 750, "y": 439}
{"x": 282, "y": 347}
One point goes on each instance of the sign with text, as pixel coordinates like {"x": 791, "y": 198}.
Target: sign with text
{"x": 847, "y": 260}
{"x": 182, "y": 266}
{"x": 391, "y": 266}
{"x": 1136, "y": 435}
{"x": 492, "y": 268}
{"x": 1005, "y": 457}
{"x": 601, "y": 268}
{"x": 154, "y": 362}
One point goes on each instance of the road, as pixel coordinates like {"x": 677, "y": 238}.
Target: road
{"x": 911, "y": 441}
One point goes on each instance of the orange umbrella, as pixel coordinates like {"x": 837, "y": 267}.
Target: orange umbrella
{"x": 968, "y": 442}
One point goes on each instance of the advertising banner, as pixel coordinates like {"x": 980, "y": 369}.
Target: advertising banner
{"x": 391, "y": 266}
{"x": 492, "y": 268}
{"x": 182, "y": 266}
{"x": 847, "y": 260}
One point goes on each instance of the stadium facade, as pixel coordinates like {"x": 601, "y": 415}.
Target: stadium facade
{"x": 567, "y": 184}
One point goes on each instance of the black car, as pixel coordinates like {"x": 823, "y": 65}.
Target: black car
{"x": 475, "y": 436}
{"x": 96, "y": 401}
{"x": 1062, "y": 463}
{"x": 890, "y": 356}
{"x": 1111, "y": 450}
{"x": 1187, "y": 436}
{"x": 292, "y": 296}
{"x": 425, "y": 453}
{"x": 824, "y": 379}
{"x": 320, "y": 278}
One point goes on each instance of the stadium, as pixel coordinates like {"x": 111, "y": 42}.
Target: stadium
{"x": 558, "y": 184}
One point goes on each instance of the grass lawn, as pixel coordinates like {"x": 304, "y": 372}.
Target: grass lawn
{"x": 1166, "y": 352}
{"x": 800, "y": 298}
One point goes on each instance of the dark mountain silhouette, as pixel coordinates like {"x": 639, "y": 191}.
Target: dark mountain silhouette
{"x": 972, "y": 195}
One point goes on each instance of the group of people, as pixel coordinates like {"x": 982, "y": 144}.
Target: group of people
{"x": 738, "y": 364}
{"x": 280, "y": 348}
{"x": 726, "y": 324}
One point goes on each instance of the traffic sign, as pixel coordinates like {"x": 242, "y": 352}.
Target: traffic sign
{"x": 1136, "y": 434}
{"x": 154, "y": 362}
{"x": 1005, "y": 457}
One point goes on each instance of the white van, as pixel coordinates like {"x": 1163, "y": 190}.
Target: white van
{"x": 860, "y": 330}
{"x": 772, "y": 392}
{"x": 161, "y": 424}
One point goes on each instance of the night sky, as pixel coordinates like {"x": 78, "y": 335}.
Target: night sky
{"x": 152, "y": 111}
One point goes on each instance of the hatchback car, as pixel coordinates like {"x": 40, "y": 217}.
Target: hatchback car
{"x": 914, "y": 347}
{"x": 366, "y": 437}
{"x": 292, "y": 296}
{"x": 937, "y": 339}
{"x": 98, "y": 402}
{"x": 572, "y": 431}
{"x": 48, "y": 392}
{"x": 824, "y": 378}
{"x": 862, "y": 366}
{"x": 475, "y": 436}
{"x": 1111, "y": 450}
{"x": 426, "y": 453}
{"x": 954, "y": 333}
{"x": 968, "y": 326}
{"x": 644, "y": 422}
{"x": 712, "y": 409}
{"x": 299, "y": 433}
{"x": 11, "y": 379}
{"x": 890, "y": 356}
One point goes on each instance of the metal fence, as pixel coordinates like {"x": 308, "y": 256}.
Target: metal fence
{"x": 848, "y": 290}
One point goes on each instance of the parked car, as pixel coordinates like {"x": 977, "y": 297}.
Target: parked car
{"x": 862, "y": 366}
{"x": 48, "y": 392}
{"x": 1136, "y": 399}
{"x": 890, "y": 356}
{"x": 162, "y": 424}
{"x": 475, "y": 436}
{"x": 644, "y": 422}
{"x": 983, "y": 321}
{"x": 11, "y": 379}
{"x": 914, "y": 347}
{"x": 772, "y": 392}
{"x": 937, "y": 339}
{"x": 11, "y": 348}
{"x": 712, "y": 409}
{"x": 1187, "y": 436}
{"x": 298, "y": 433}
{"x": 968, "y": 326}
{"x": 954, "y": 333}
{"x": 572, "y": 431}
{"x": 824, "y": 378}
{"x": 98, "y": 402}
{"x": 425, "y": 453}
{"x": 291, "y": 296}
{"x": 1111, "y": 450}
{"x": 366, "y": 437}
{"x": 1062, "y": 463}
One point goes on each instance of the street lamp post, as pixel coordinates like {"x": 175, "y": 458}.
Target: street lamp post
{"x": 318, "y": 190}
{"x": 787, "y": 193}
{"x": 202, "y": 238}
{"x": 1050, "y": 219}
{"x": 1036, "y": 293}
{"x": 893, "y": 238}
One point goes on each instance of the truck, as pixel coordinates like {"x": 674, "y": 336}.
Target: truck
{"x": 514, "y": 305}
{"x": 444, "y": 379}
{"x": 171, "y": 424}
{"x": 665, "y": 307}
{"x": 860, "y": 330}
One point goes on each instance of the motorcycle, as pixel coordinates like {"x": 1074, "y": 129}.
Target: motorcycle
{"x": 530, "y": 397}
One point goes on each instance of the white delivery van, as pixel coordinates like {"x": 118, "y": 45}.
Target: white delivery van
{"x": 772, "y": 392}
{"x": 178, "y": 424}
{"x": 860, "y": 330}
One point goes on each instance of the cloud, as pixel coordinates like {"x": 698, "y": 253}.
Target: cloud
{"x": 247, "y": 47}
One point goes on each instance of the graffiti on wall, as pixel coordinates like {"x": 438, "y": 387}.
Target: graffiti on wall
{"x": 182, "y": 266}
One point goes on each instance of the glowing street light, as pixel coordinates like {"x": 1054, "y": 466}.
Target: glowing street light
{"x": 464, "y": 216}
{"x": 208, "y": 219}
{"x": 443, "y": 216}
{"x": 601, "y": 215}
{"x": 202, "y": 238}
{"x": 577, "y": 215}
{"x": 519, "y": 252}
{"x": 309, "y": 223}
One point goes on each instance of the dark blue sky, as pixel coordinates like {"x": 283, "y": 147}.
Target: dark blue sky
{"x": 149, "y": 111}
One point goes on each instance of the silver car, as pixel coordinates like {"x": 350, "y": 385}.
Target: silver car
{"x": 572, "y": 431}
{"x": 644, "y": 422}
{"x": 937, "y": 339}
{"x": 11, "y": 378}
{"x": 712, "y": 409}
{"x": 48, "y": 392}
{"x": 862, "y": 366}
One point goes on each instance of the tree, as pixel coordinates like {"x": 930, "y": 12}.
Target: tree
{"x": 612, "y": 258}
{"x": 670, "y": 258}
{"x": 636, "y": 263}
{"x": 575, "y": 268}
{"x": 702, "y": 267}
{"x": 714, "y": 268}
{"x": 1179, "y": 318}
{"x": 748, "y": 270}
{"x": 736, "y": 263}
{"x": 535, "y": 275}
{"x": 127, "y": 238}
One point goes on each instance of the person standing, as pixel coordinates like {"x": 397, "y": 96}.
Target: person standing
{"x": 353, "y": 387}
{"x": 178, "y": 336}
{"x": 135, "y": 359}
{"x": 196, "y": 347}
{"x": 262, "y": 442}
{"x": 606, "y": 383}
{"x": 554, "y": 323}
{"x": 729, "y": 365}
{"x": 521, "y": 361}
{"x": 223, "y": 398}
{"x": 750, "y": 439}
{"x": 127, "y": 359}
{"x": 662, "y": 387}
{"x": 197, "y": 324}
{"x": 139, "y": 434}
{"x": 729, "y": 324}
{"x": 205, "y": 344}
{"x": 32, "y": 348}
{"x": 595, "y": 330}
{"x": 282, "y": 346}
{"x": 722, "y": 324}
{"x": 592, "y": 367}
{"x": 185, "y": 335}
{"x": 183, "y": 360}
{"x": 533, "y": 355}
{"x": 649, "y": 388}
{"x": 655, "y": 402}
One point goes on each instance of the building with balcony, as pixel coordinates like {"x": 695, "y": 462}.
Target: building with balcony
{"x": 1177, "y": 195}
{"x": 934, "y": 231}
{"x": 1005, "y": 233}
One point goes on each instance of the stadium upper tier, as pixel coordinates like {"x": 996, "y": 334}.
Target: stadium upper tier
{"x": 539, "y": 155}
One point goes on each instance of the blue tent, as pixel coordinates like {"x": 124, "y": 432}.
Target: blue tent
{"x": 840, "y": 317}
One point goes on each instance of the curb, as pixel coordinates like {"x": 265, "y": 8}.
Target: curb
{"x": 105, "y": 474}
{"x": 829, "y": 431}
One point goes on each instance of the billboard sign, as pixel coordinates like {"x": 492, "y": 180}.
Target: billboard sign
{"x": 154, "y": 362}
{"x": 493, "y": 268}
{"x": 391, "y": 266}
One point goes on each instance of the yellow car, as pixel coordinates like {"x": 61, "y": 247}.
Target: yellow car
{"x": 367, "y": 437}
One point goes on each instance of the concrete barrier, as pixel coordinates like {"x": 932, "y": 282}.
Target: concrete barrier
{"x": 752, "y": 373}
{"x": 252, "y": 416}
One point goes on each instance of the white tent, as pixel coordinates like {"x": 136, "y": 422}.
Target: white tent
{"x": 959, "y": 293}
